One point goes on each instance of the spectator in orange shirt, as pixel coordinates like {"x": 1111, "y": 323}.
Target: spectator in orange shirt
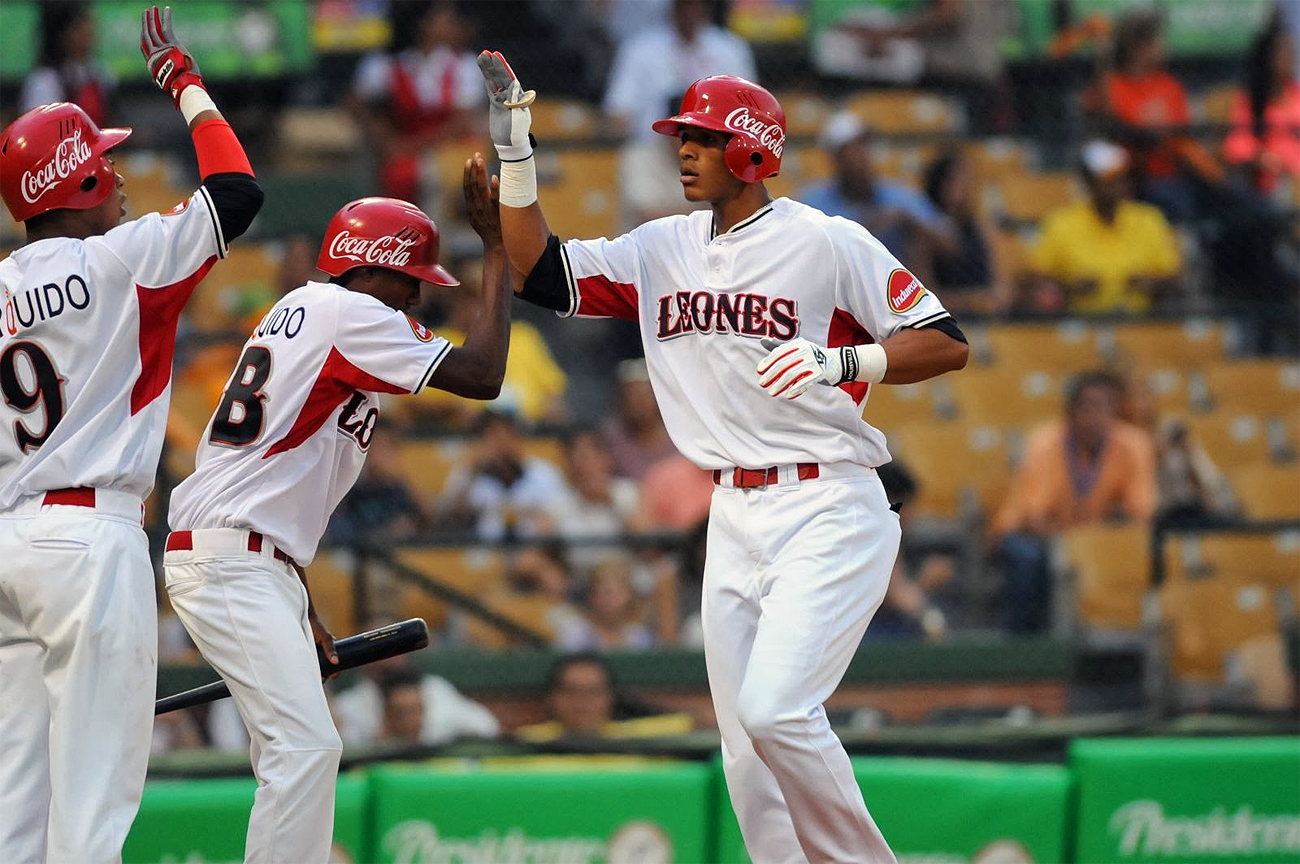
{"x": 1265, "y": 136}
{"x": 1085, "y": 468}
{"x": 1147, "y": 109}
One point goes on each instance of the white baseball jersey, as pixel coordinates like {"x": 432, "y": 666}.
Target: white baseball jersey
{"x": 704, "y": 302}
{"x": 294, "y": 424}
{"x": 86, "y": 341}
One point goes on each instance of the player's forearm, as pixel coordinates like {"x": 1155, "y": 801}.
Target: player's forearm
{"x": 477, "y": 369}
{"x": 918, "y": 354}
{"x": 525, "y": 233}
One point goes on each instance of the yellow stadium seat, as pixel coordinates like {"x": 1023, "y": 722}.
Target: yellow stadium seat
{"x": 1112, "y": 573}
{"x": 563, "y": 120}
{"x": 996, "y": 158}
{"x": 579, "y": 189}
{"x": 1215, "y": 105}
{"x": 1264, "y": 387}
{"x": 1268, "y": 491}
{"x": 248, "y": 268}
{"x": 1030, "y": 197}
{"x": 550, "y": 449}
{"x": 331, "y": 579}
{"x": 1270, "y": 558}
{"x": 1058, "y": 348}
{"x": 1209, "y": 618}
{"x": 1155, "y": 345}
{"x": 893, "y": 112}
{"x": 426, "y": 463}
{"x": 307, "y": 135}
{"x": 891, "y": 404}
{"x": 994, "y": 397}
{"x": 1231, "y": 440}
{"x": 1010, "y": 250}
{"x": 527, "y": 610}
{"x": 447, "y": 165}
{"x": 952, "y": 461}
{"x": 473, "y": 570}
{"x": 805, "y": 113}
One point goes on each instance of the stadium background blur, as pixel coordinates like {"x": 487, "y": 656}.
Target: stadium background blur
{"x": 561, "y": 520}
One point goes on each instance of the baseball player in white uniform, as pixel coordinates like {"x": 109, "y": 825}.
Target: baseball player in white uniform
{"x": 87, "y": 332}
{"x": 743, "y": 309}
{"x": 285, "y": 444}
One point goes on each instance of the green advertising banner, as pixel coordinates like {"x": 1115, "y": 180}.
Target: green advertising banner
{"x": 1188, "y": 799}
{"x": 19, "y": 22}
{"x": 941, "y": 811}
{"x": 205, "y": 821}
{"x": 572, "y": 810}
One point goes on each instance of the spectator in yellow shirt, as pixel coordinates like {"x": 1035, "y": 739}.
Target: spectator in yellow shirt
{"x": 1107, "y": 253}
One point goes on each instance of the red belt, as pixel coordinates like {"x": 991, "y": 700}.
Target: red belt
{"x": 78, "y": 497}
{"x": 183, "y": 541}
{"x": 747, "y": 478}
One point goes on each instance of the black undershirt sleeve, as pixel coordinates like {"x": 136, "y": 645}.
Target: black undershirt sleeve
{"x": 948, "y": 326}
{"x": 236, "y": 198}
{"x": 546, "y": 285}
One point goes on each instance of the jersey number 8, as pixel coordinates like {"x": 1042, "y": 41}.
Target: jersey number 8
{"x": 239, "y": 417}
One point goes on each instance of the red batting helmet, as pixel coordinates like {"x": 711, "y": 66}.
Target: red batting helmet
{"x": 52, "y": 158}
{"x": 383, "y": 232}
{"x": 748, "y": 113}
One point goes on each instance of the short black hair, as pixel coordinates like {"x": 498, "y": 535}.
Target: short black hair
{"x": 564, "y": 662}
{"x": 1081, "y": 382}
{"x": 399, "y": 678}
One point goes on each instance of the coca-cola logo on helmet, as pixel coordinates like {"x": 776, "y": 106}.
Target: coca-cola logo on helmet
{"x": 762, "y": 129}
{"x": 70, "y": 155}
{"x": 391, "y": 250}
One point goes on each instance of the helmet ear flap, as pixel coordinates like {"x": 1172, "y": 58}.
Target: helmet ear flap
{"x": 748, "y": 160}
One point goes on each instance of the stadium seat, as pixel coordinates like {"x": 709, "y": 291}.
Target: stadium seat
{"x": 1023, "y": 198}
{"x": 579, "y": 189}
{"x": 805, "y": 113}
{"x": 888, "y": 405}
{"x": 953, "y": 462}
{"x": 1156, "y": 345}
{"x": 428, "y": 462}
{"x": 472, "y": 570}
{"x": 563, "y": 120}
{"x": 1231, "y": 440}
{"x": 1112, "y": 573}
{"x": 550, "y": 449}
{"x": 527, "y": 610}
{"x": 1264, "y": 387}
{"x": 1269, "y": 492}
{"x": 1211, "y": 617}
{"x": 1215, "y": 105}
{"x": 996, "y": 158}
{"x": 996, "y": 397}
{"x": 1010, "y": 249}
{"x": 904, "y": 112}
{"x": 1060, "y": 349}
{"x": 1270, "y": 558}
{"x": 245, "y": 278}
{"x": 310, "y": 136}
{"x": 148, "y": 184}
{"x": 330, "y": 576}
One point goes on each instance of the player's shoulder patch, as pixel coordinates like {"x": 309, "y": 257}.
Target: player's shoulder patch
{"x": 905, "y": 290}
{"x": 424, "y": 334}
{"x": 179, "y": 208}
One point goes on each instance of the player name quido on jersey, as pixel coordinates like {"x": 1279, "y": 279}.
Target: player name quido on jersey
{"x": 68, "y": 156}
{"x": 391, "y": 250}
{"x": 768, "y": 134}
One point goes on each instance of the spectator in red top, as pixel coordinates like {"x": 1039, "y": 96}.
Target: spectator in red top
{"x": 1265, "y": 136}
{"x": 68, "y": 71}
{"x": 424, "y": 90}
{"x": 1147, "y": 110}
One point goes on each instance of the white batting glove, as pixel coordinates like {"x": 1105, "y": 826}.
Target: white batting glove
{"x": 509, "y": 118}
{"x": 790, "y": 368}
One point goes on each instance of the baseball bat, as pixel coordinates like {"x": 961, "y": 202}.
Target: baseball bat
{"x": 387, "y": 641}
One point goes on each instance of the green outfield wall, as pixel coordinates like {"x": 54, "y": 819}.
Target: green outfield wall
{"x": 1139, "y": 800}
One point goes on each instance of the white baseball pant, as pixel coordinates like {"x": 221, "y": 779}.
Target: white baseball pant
{"x": 247, "y": 613}
{"x": 78, "y": 673}
{"x": 793, "y": 574}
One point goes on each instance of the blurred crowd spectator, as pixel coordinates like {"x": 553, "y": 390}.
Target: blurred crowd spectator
{"x": 68, "y": 70}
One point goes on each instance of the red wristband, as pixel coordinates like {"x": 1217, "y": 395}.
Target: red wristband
{"x": 218, "y": 149}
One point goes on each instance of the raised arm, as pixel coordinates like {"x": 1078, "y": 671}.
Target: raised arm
{"x": 224, "y": 167}
{"x": 523, "y": 226}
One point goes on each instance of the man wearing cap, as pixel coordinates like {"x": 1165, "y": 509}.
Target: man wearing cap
{"x": 903, "y": 219}
{"x": 87, "y": 332}
{"x": 1106, "y": 253}
{"x": 764, "y": 323}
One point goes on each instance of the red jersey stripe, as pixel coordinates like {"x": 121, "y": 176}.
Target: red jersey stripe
{"x": 845, "y": 330}
{"x": 600, "y": 296}
{"x": 160, "y": 310}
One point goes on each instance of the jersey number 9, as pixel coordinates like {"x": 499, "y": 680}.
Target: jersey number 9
{"x": 40, "y": 386}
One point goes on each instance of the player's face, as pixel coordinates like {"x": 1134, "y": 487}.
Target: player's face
{"x": 112, "y": 209}
{"x": 395, "y": 290}
{"x": 703, "y": 165}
